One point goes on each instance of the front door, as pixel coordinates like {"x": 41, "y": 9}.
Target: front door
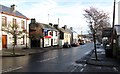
{"x": 51, "y": 42}
{"x": 4, "y": 41}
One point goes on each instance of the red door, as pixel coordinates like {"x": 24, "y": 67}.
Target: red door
{"x": 4, "y": 41}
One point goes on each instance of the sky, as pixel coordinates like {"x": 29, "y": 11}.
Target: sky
{"x": 69, "y": 12}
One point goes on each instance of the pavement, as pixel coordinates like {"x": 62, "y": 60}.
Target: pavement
{"x": 23, "y": 52}
{"x": 103, "y": 64}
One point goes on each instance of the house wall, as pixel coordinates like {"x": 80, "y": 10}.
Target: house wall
{"x": 47, "y": 41}
{"x": 55, "y": 38}
{"x": 75, "y": 38}
{"x": 9, "y": 37}
{"x": 67, "y": 37}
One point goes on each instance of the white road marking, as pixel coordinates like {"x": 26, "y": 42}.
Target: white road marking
{"x": 82, "y": 70}
{"x": 64, "y": 54}
{"x": 73, "y": 69}
{"x": 75, "y": 64}
{"x": 48, "y": 59}
{"x": 10, "y": 69}
{"x": 51, "y": 58}
{"x": 114, "y": 68}
{"x": 88, "y": 52}
{"x": 85, "y": 65}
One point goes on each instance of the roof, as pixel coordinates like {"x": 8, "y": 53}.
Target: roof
{"x": 6, "y": 10}
{"x": 64, "y": 30}
{"x": 117, "y": 27}
{"x": 48, "y": 27}
{"x": 45, "y": 26}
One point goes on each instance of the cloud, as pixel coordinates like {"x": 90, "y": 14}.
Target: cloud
{"x": 70, "y": 12}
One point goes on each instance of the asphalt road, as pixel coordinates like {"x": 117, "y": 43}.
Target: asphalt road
{"x": 59, "y": 60}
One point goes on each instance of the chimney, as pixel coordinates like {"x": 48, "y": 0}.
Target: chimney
{"x": 12, "y": 8}
{"x": 33, "y": 21}
{"x": 50, "y": 24}
{"x": 71, "y": 28}
{"x": 65, "y": 26}
{"x": 56, "y": 26}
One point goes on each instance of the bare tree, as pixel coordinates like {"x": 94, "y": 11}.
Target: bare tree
{"x": 13, "y": 29}
{"x": 97, "y": 20}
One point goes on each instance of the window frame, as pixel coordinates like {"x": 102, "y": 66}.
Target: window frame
{"x": 4, "y": 19}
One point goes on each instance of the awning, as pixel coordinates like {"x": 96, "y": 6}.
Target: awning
{"x": 48, "y": 36}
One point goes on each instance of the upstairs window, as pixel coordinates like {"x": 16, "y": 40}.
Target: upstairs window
{"x": 14, "y": 22}
{"x": 45, "y": 33}
{"x": 22, "y": 24}
{"x": 51, "y": 33}
{"x": 4, "y": 21}
{"x": 56, "y": 33}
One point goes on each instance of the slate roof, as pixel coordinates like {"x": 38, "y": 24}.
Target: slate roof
{"x": 67, "y": 30}
{"x": 46, "y": 26}
{"x": 64, "y": 30}
{"x": 5, "y": 9}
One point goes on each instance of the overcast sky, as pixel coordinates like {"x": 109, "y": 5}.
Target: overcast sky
{"x": 70, "y": 12}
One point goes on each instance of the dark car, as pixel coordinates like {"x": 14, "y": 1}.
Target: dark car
{"x": 98, "y": 45}
{"x": 74, "y": 44}
{"x": 66, "y": 45}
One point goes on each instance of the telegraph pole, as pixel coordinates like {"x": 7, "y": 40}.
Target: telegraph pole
{"x": 112, "y": 37}
{"x": 58, "y": 21}
{"x": 48, "y": 18}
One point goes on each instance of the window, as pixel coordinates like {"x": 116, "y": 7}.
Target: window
{"x": 4, "y": 21}
{"x": 56, "y": 33}
{"x": 51, "y": 33}
{"x": 46, "y": 33}
{"x": 22, "y": 24}
{"x": 14, "y": 22}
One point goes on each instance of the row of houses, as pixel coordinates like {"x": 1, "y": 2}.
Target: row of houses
{"x": 37, "y": 34}
{"x": 46, "y": 35}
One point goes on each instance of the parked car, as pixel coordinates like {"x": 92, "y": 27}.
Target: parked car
{"x": 74, "y": 44}
{"x": 66, "y": 45}
{"x": 98, "y": 45}
{"x": 81, "y": 43}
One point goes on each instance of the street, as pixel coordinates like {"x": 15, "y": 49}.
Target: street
{"x": 58, "y": 60}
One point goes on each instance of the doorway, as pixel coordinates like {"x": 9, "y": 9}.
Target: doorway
{"x": 4, "y": 41}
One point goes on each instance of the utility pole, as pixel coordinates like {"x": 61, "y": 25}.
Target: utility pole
{"x": 48, "y": 18}
{"x": 112, "y": 37}
{"x": 58, "y": 21}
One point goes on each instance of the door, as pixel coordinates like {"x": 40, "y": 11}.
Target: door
{"x": 4, "y": 41}
{"x": 51, "y": 42}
